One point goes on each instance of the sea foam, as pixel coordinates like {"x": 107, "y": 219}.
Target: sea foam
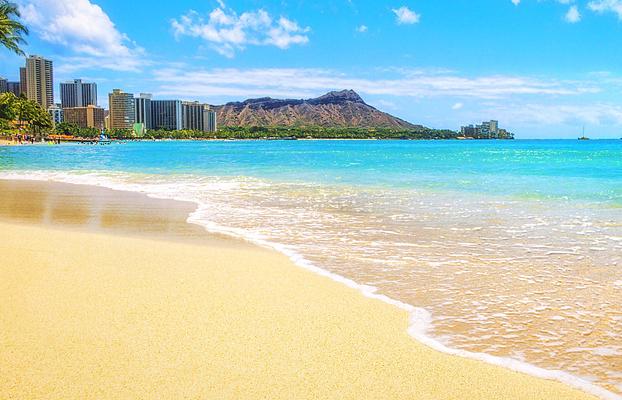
{"x": 420, "y": 319}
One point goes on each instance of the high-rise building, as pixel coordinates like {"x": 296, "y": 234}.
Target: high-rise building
{"x": 192, "y": 115}
{"x": 85, "y": 117}
{"x": 122, "y": 110}
{"x": 14, "y": 87}
{"x": 494, "y": 128}
{"x": 23, "y": 81}
{"x": 39, "y": 81}
{"x": 166, "y": 114}
{"x": 486, "y": 130}
{"x": 210, "y": 117}
{"x": 9, "y": 87}
{"x": 78, "y": 94}
{"x": 56, "y": 112}
{"x": 143, "y": 110}
{"x": 198, "y": 117}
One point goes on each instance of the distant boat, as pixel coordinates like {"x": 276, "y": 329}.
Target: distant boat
{"x": 583, "y": 137}
{"x": 103, "y": 138}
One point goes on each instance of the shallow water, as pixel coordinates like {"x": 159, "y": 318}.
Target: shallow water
{"x": 514, "y": 247}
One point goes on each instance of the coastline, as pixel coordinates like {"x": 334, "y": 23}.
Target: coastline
{"x": 366, "y": 337}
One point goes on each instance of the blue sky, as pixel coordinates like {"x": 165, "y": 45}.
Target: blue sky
{"x": 544, "y": 68}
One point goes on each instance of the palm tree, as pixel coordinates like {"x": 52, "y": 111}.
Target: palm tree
{"x": 12, "y": 31}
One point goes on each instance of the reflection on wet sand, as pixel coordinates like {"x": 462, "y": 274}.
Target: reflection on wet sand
{"x": 77, "y": 206}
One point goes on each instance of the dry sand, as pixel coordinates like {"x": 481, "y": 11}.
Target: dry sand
{"x": 103, "y": 315}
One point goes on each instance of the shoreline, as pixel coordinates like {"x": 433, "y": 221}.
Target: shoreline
{"x": 416, "y": 316}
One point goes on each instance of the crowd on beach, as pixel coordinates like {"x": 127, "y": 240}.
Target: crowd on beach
{"x": 17, "y": 139}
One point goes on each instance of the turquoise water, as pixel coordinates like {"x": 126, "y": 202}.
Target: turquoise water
{"x": 513, "y": 248}
{"x": 542, "y": 168}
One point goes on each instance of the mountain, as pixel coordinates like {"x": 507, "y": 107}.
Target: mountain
{"x": 335, "y": 109}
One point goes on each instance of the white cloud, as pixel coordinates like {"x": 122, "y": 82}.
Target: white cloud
{"x": 306, "y": 82}
{"x": 601, "y": 6}
{"x": 516, "y": 2}
{"x": 457, "y": 106}
{"x": 405, "y": 15}
{"x": 85, "y": 29}
{"x": 573, "y": 15}
{"x": 361, "y": 28}
{"x": 228, "y": 32}
{"x": 550, "y": 114}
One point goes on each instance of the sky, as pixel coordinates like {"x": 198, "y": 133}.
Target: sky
{"x": 543, "y": 68}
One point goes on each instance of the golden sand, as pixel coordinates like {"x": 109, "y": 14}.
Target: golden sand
{"x": 98, "y": 316}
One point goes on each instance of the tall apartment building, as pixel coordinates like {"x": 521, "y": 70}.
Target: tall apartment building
{"x": 78, "y": 94}
{"x": 14, "y": 87}
{"x": 122, "y": 110}
{"x": 56, "y": 113}
{"x": 39, "y": 81}
{"x": 23, "y": 84}
{"x": 486, "y": 130}
{"x": 85, "y": 117}
{"x": 9, "y": 87}
{"x": 210, "y": 117}
{"x": 166, "y": 114}
{"x": 143, "y": 110}
{"x": 198, "y": 117}
{"x": 494, "y": 128}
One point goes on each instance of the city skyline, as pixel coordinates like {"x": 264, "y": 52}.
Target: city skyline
{"x": 433, "y": 64}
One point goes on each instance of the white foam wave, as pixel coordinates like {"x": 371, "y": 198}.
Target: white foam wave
{"x": 420, "y": 320}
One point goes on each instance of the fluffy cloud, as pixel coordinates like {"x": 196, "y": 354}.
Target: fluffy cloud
{"x": 601, "y": 6}
{"x": 405, "y": 15}
{"x": 306, "y": 82}
{"x": 573, "y": 15}
{"x": 85, "y": 29}
{"x": 361, "y": 28}
{"x": 228, "y": 32}
{"x": 599, "y": 114}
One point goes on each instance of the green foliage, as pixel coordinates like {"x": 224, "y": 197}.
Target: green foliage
{"x": 7, "y": 106}
{"x": 285, "y": 132}
{"x": 27, "y": 113}
{"x": 67, "y": 128}
{"x": 12, "y": 31}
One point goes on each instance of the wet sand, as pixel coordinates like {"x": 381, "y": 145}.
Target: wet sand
{"x": 108, "y": 294}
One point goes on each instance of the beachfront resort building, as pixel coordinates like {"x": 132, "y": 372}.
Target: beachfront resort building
{"x": 78, "y": 94}
{"x": 485, "y": 130}
{"x": 39, "y": 80}
{"x": 85, "y": 117}
{"x": 198, "y": 116}
{"x": 122, "y": 112}
{"x": 166, "y": 115}
{"x": 143, "y": 110}
{"x": 56, "y": 113}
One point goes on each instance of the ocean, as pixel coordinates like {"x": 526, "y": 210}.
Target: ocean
{"x": 507, "y": 251}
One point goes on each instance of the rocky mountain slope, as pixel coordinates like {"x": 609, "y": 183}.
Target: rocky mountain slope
{"x": 335, "y": 109}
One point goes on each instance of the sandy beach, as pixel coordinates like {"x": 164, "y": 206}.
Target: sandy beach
{"x": 113, "y": 295}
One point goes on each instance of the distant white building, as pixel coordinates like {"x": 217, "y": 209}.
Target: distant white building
{"x": 56, "y": 112}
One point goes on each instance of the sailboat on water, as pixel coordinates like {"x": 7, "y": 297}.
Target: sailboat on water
{"x": 583, "y": 137}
